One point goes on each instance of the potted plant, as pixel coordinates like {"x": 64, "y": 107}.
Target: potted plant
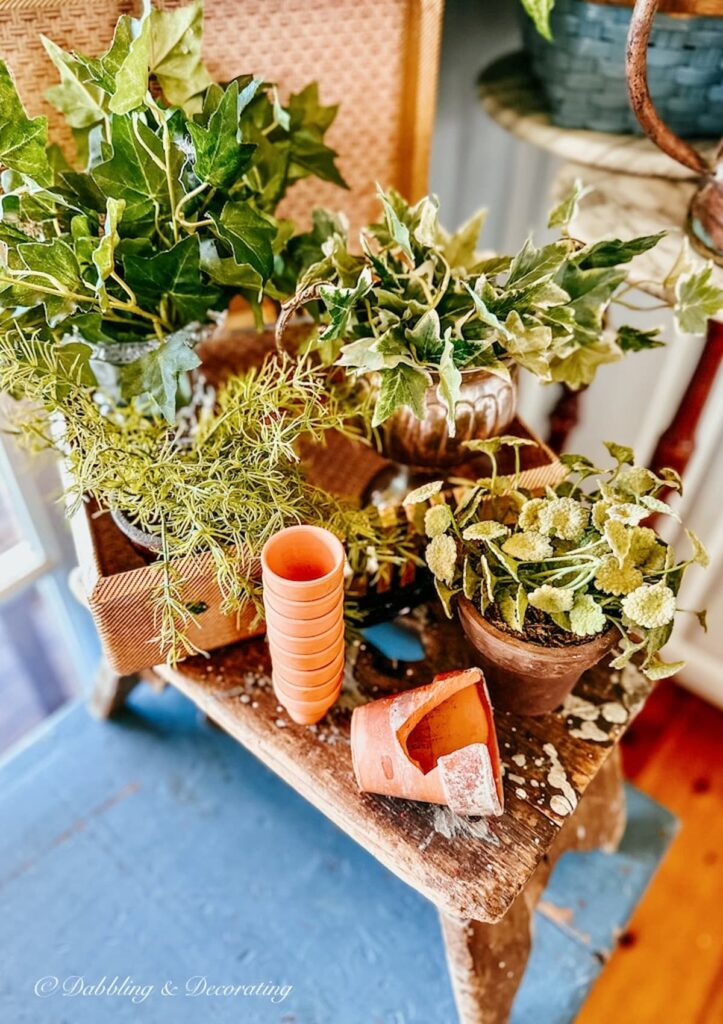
{"x": 124, "y": 258}
{"x": 546, "y": 585}
{"x": 440, "y": 331}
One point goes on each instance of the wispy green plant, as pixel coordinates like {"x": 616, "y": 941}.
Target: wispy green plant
{"x": 581, "y": 556}
{"x": 420, "y": 306}
{"x": 166, "y": 211}
{"x": 226, "y": 487}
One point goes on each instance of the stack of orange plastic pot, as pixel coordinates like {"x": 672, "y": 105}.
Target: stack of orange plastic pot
{"x": 303, "y": 582}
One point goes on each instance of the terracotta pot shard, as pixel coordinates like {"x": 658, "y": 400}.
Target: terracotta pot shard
{"x": 436, "y": 743}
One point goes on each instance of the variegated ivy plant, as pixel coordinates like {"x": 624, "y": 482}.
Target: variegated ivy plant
{"x": 419, "y": 305}
{"x": 167, "y": 211}
{"x": 581, "y": 555}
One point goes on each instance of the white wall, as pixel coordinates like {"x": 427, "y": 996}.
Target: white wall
{"x": 476, "y": 163}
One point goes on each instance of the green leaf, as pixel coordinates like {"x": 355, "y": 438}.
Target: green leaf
{"x": 250, "y": 235}
{"x": 399, "y": 232}
{"x": 171, "y": 280}
{"x": 622, "y": 453}
{"x": 224, "y": 270}
{"x": 340, "y": 303}
{"x": 654, "y": 668}
{"x": 697, "y": 299}
{"x": 660, "y": 507}
{"x": 131, "y": 76}
{"x": 426, "y": 338}
{"x": 487, "y": 318}
{"x": 176, "y": 37}
{"x": 700, "y": 555}
{"x": 459, "y": 249}
{"x": 486, "y": 530}
{"x": 539, "y": 11}
{"x": 103, "y": 255}
{"x": 78, "y": 97}
{"x": 633, "y": 339}
{"x": 130, "y": 174}
{"x": 48, "y": 265}
{"x": 423, "y": 493}
{"x": 619, "y": 538}
{"x": 445, "y": 595}
{"x": 532, "y": 265}
{"x": 221, "y": 157}
{"x": 565, "y": 211}
{"x": 402, "y": 386}
{"x": 371, "y": 354}
{"x": 450, "y": 382}
{"x": 470, "y": 579}
{"x": 22, "y": 139}
{"x": 612, "y": 252}
{"x": 154, "y": 378}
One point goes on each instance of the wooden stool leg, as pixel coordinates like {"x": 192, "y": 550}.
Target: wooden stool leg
{"x": 599, "y": 820}
{"x": 110, "y": 691}
{"x": 487, "y": 961}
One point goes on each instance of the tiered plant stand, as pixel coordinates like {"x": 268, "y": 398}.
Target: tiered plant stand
{"x": 485, "y": 877}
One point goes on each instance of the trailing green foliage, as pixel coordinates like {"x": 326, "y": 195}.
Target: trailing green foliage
{"x": 420, "y": 306}
{"x": 169, "y": 208}
{"x": 222, "y": 483}
{"x": 580, "y": 555}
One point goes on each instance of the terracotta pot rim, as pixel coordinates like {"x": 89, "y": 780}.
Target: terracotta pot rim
{"x": 305, "y": 662}
{"x": 476, "y": 371}
{"x": 271, "y": 585}
{"x": 298, "y": 587}
{"x": 308, "y": 677}
{"x": 332, "y": 618}
{"x": 600, "y": 640}
{"x": 299, "y": 609}
{"x": 291, "y": 645}
{"x": 308, "y": 706}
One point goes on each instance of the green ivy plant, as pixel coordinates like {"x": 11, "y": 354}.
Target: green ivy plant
{"x": 419, "y": 306}
{"x": 580, "y": 558}
{"x": 540, "y": 11}
{"x": 165, "y": 213}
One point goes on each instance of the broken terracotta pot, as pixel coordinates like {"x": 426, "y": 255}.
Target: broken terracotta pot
{"x": 436, "y": 743}
{"x": 527, "y": 678}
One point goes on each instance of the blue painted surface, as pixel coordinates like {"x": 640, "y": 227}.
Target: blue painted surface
{"x": 157, "y": 849}
{"x": 395, "y": 640}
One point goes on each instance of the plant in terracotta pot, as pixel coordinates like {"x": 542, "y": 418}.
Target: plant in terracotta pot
{"x": 547, "y": 585}
{"x": 439, "y": 330}
{"x": 123, "y": 257}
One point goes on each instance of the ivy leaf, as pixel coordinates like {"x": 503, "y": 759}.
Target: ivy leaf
{"x": 176, "y": 37}
{"x": 54, "y": 259}
{"x": 578, "y": 369}
{"x": 154, "y": 378}
{"x": 340, "y": 303}
{"x": 224, "y": 270}
{"x": 221, "y": 157}
{"x": 565, "y": 211}
{"x": 402, "y": 386}
{"x": 172, "y": 281}
{"x": 488, "y": 318}
{"x": 103, "y": 256}
{"x": 426, "y": 337}
{"x": 250, "y": 235}
{"x": 459, "y": 249}
{"x": 539, "y": 11}
{"x": 698, "y": 298}
{"x": 611, "y": 252}
{"x": 372, "y": 354}
{"x": 22, "y": 139}
{"x": 131, "y": 76}
{"x": 532, "y": 265}
{"x": 633, "y": 339}
{"x": 305, "y": 111}
{"x": 450, "y": 381}
{"x": 78, "y": 97}
{"x": 130, "y": 174}
{"x": 398, "y": 232}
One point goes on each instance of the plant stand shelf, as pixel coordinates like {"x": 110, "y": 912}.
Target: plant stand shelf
{"x": 484, "y": 876}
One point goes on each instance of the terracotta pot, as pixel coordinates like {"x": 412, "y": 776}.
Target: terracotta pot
{"x": 527, "y": 678}
{"x": 297, "y": 628}
{"x": 436, "y": 743}
{"x": 149, "y": 545}
{"x": 308, "y": 644}
{"x": 289, "y": 672}
{"x": 287, "y": 611}
{"x": 302, "y": 563}
{"x": 307, "y": 712}
{"x": 486, "y": 408}
{"x": 304, "y": 693}
{"x": 312, "y": 661}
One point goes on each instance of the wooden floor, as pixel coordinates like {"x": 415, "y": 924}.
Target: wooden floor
{"x": 669, "y": 963}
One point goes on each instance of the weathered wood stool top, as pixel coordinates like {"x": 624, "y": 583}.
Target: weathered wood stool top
{"x": 470, "y": 868}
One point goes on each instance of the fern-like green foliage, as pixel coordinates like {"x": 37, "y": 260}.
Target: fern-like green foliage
{"x": 224, "y": 488}
{"x": 580, "y": 555}
{"x": 166, "y": 210}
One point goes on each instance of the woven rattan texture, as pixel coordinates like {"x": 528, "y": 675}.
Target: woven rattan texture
{"x": 376, "y": 58}
{"x": 583, "y": 71}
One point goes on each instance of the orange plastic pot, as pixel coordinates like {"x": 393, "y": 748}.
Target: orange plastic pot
{"x": 436, "y": 743}
{"x": 302, "y": 629}
{"x": 313, "y": 661}
{"x": 287, "y": 610}
{"x": 302, "y": 563}
{"x": 290, "y": 644}
{"x": 306, "y": 712}
{"x": 289, "y": 672}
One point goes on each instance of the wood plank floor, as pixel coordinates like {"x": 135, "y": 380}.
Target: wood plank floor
{"x": 668, "y": 966}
